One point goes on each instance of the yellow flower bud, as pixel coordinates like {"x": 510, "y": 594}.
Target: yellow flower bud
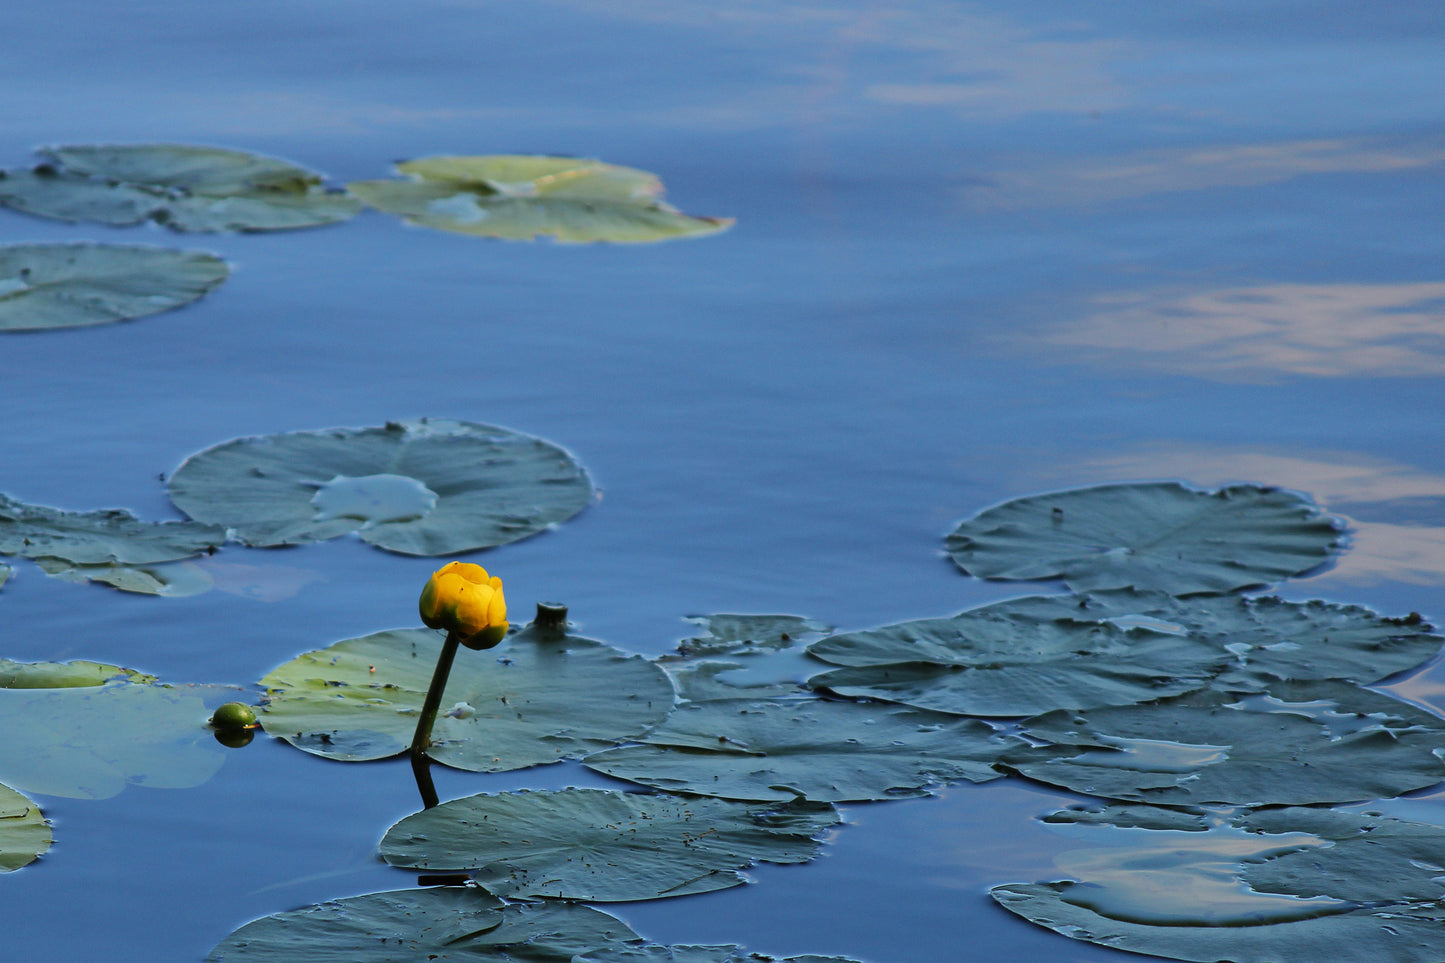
{"x": 463, "y": 599}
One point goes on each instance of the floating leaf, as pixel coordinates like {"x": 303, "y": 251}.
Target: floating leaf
{"x": 1125, "y": 816}
{"x": 685, "y": 953}
{"x": 822, "y": 750}
{"x": 536, "y": 698}
{"x": 24, "y": 833}
{"x": 428, "y": 487}
{"x": 1015, "y": 658}
{"x": 90, "y": 742}
{"x": 167, "y": 579}
{"x": 73, "y": 285}
{"x": 1161, "y": 535}
{"x": 747, "y": 634}
{"x": 185, "y": 188}
{"x": 64, "y": 675}
{"x": 520, "y": 197}
{"x": 439, "y": 923}
{"x": 1270, "y": 639}
{"x": 1307, "y": 742}
{"x": 599, "y": 845}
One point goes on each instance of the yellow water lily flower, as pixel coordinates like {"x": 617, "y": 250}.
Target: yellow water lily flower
{"x": 463, "y": 599}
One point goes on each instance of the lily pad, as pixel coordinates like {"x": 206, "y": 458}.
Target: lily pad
{"x": 538, "y": 697}
{"x": 747, "y": 634}
{"x": 520, "y": 197}
{"x": 1307, "y": 742}
{"x": 64, "y": 675}
{"x": 24, "y": 833}
{"x": 1270, "y": 639}
{"x": 90, "y": 742}
{"x": 74, "y": 285}
{"x": 813, "y": 748}
{"x": 1163, "y": 536}
{"x": 438, "y": 923}
{"x": 428, "y": 487}
{"x": 186, "y": 188}
{"x": 686, "y": 953}
{"x": 599, "y": 845}
{"x": 166, "y": 579}
{"x": 1016, "y": 658}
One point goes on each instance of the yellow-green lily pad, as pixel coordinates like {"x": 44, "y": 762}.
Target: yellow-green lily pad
{"x": 24, "y": 833}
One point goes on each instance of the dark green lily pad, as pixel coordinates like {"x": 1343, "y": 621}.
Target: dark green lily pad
{"x": 1307, "y": 742}
{"x": 1270, "y": 639}
{"x": 1370, "y": 858}
{"x": 686, "y": 953}
{"x": 90, "y": 742}
{"x": 599, "y": 845}
{"x": 520, "y": 197}
{"x": 1125, "y": 816}
{"x": 64, "y": 675}
{"x": 818, "y": 749}
{"x": 24, "y": 833}
{"x": 1162, "y": 536}
{"x": 428, "y": 487}
{"x": 185, "y": 188}
{"x": 1401, "y": 933}
{"x": 111, "y": 546}
{"x": 439, "y": 923}
{"x": 536, "y": 698}
{"x": 1015, "y": 658}
{"x": 74, "y": 285}
{"x": 736, "y": 635}
{"x": 743, "y": 657}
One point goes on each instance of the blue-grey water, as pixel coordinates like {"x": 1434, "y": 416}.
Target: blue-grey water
{"x": 981, "y": 250}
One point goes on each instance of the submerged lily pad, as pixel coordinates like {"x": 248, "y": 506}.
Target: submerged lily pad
{"x": 536, "y": 698}
{"x": 438, "y": 923}
{"x": 111, "y": 546}
{"x": 520, "y": 197}
{"x": 24, "y": 833}
{"x": 1161, "y": 535}
{"x": 73, "y": 285}
{"x": 1307, "y": 742}
{"x": 687, "y": 953}
{"x": 735, "y": 635}
{"x": 599, "y": 845}
{"x": 818, "y": 749}
{"x": 428, "y": 487}
{"x": 185, "y": 188}
{"x": 1016, "y": 658}
{"x": 90, "y": 742}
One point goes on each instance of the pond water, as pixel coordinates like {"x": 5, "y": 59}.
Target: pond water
{"x": 981, "y": 250}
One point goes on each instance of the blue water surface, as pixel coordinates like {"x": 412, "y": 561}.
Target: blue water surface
{"x": 982, "y": 250}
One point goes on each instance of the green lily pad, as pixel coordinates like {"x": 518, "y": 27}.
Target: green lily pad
{"x": 599, "y": 845}
{"x": 536, "y": 698}
{"x": 1016, "y": 658}
{"x": 24, "y": 833}
{"x": 186, "y": 188}
{"x": 687, "y": 953}
{"x": 438, "y": 923}
{"x": 64, "y": 675}
{"x": 428, "y": 487}
{"x": 1270, "y": 639}
{"x": 166, "y": 579}
{"x": 107, "y": 541}
{"x": 1306, "y": 742}
{"x": 74, "y": 285}
{"x": 90, "y": 742}
{"x": 735, "y": 635}
{"x": 1162, "y": 536}
{"x": 520, "y": 197}
{"x": 818, "y": 749}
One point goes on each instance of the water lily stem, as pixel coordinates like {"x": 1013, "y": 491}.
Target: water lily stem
{"x": 422, "y": 739}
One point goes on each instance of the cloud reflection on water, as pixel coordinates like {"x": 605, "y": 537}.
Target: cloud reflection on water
{"x": 1255, "y": 333}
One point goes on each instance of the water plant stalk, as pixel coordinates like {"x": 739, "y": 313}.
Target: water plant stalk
{"x": 422, "y": 738}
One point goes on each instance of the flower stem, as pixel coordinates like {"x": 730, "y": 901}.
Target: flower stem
{"x": 422, "y": 739}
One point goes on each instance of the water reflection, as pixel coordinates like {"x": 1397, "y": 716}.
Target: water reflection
{"x": 1254, "y": 333}
{"x": 1396, "y": 512}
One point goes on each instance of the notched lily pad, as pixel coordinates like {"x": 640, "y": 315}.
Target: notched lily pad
{"x": 536, "y": 698}
{"x": 520, "y": 197}
{"x": 74, "y": 285}
{"x": 438, "y": 923}
{"x": 110, "y": 545}
{"x": 813, "y": 748}
{"x": 599, "y": 845}
{"x": 1014, "y": 658}
{"x": 1301, "y": 743}
{"x": 185, "y": 188}
{"x": 1161, "y": 535}
{"x": 24, "y": 833}
{"x": 90, "y": 741}
{"x": 427, "y": 487}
